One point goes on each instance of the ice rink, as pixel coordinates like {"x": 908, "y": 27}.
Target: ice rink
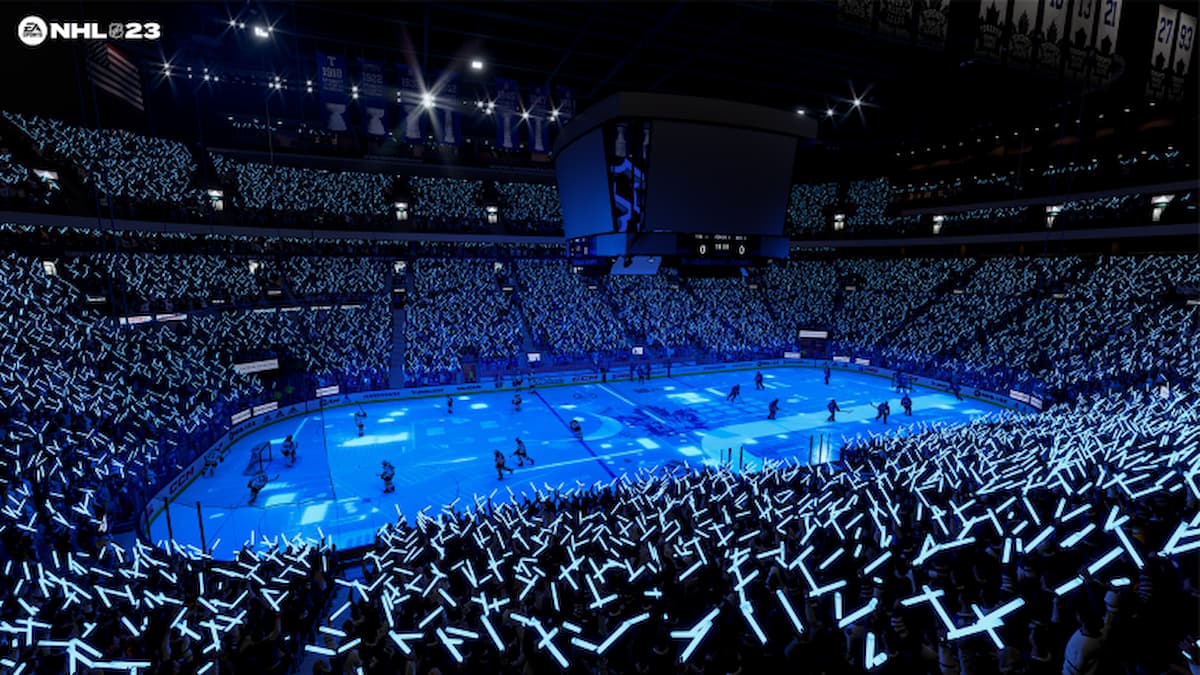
{"x": 445, "y": 458}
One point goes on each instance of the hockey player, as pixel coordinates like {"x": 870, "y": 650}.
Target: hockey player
{"x": 516, "y": 402}
{"x": 211, "y": 459}
{"x": 906, "y": 403}
{"x": 256, "y": 485}
{"x": 833, "y": 408}
{"x": 882, "y": 411}
{"x": 501, "y": 464}
{"x": 772, "y": 409}
{"x": 289, "y": 450}
{"x": 521, "y": 454}
{"x": 758, "y": 381}
{"x": 575, "y": 428}
{"x": 734, "y": 393}
{"x": 388, "y": 473}
{"x": 449, "y": 405}
{"x": 827, "y": 373}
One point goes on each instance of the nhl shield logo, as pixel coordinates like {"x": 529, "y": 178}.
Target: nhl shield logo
{"x": 116, "y": 31}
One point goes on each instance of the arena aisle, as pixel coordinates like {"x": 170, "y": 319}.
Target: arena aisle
{"x": 334, "y": 488}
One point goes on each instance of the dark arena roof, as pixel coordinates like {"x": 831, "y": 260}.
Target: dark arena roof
{"x": 851, "y": 336}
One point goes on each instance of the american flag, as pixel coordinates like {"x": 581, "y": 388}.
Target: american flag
{"x": 113, "y": 72}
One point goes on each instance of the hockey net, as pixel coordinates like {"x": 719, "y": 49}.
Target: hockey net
{"x": 260, "y": 458}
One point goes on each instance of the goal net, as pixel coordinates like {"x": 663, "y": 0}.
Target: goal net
{"x": 260, "y": 458}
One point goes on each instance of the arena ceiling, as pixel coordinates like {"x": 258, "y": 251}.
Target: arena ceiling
{"x": 787, "y": 55}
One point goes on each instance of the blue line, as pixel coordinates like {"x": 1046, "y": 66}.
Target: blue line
{"x": 568, "y": 426}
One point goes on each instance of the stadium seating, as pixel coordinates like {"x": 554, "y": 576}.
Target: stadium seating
{"x": 1035, "y": 532}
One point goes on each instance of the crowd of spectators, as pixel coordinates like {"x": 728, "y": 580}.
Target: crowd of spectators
{"x": 97, "y": 414}
{"x": 1058, "y": 543}
{"x": 138, "y": 175}
{"x": 807, "y": 204}
{"x": 565, "y": 312}
{"x": 279, "y": 188}
{"x": 457, "y": 309}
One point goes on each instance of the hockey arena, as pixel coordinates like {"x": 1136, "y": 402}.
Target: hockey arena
{"x": 444, "y": 456}
{"x": 841, "y": 337}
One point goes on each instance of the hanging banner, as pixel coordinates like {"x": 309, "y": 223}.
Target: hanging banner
{"x": 1052, "y": 36}
{"x": 932, "y": 19}
{"x": 993, "y": 15}
{"x": 508, "y": 109}
{"x": 412, "y": 104}
{"x": 856, "y": 11}
{"x": 1081, "y": 32}
{"x": 1022, "y": 30}
{"x": 1106, "y": 64}
{"x": 447, "y": 109}
{"x": 1185, "y": 39}
{"x": 539, "y": 120}
{"x": 373, "y": 94}
{"x": 1165, "y": 30}
{"x": 896, "y": 18}
{"x": 566, "y": 104}
{"x": 332, "y": 91}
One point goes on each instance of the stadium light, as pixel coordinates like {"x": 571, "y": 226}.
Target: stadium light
{"x": 829, "y": 112}
{"x": 476, "y": 64}
{"x": 857, "y": 102}
{"x": 524, "y": 114}
{"x": 262, "y": 33}
{"x": 427, "y": 100}
{"x": 800, "y": 112}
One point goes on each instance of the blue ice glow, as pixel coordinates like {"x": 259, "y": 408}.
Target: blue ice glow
{"x": 335, "y": 482}
{"x": 479, "y": 406}
{"x": 374, "y": 439}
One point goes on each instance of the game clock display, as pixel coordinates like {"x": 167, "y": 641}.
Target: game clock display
{"x": 721, "y": 245}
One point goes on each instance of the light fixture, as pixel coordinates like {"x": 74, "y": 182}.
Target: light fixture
{"x": 427, "y": 100}
{"x": 308, "y": 89}
{"x": 800, "y": 112}
{"x": 476, "y": 64}
{"x": 829, "y": 112}
{"x": 524, "y": 114}
{"x": 553, "y": 114}
{"x": 261, "y": 33}
{"x": 857, "y": 102}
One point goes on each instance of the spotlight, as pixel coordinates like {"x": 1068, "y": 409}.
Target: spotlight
{"x": 427, "y": 100}
{"x": 476, "y": 64}
{"x": 524, "y": 114}
{"x": 800, "y": 112}
{"x": 261, "y": 33}
{"x": 829, "y": 112}
{"x": 857, "y": 102}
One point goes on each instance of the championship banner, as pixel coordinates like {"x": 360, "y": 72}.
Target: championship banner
{"x": 331, "y": 74}
{"x": 856, "y": 11}
{"x": 1022, "y": 29}
{"x": 1105, "y": 56}
{"x": 1081, "y": 34}
{"x": 933, "y": 16}
{"x": 993, "y": 15}
{"x": 508, "y": 104}
{"x": 1053, "y": 29}
{"x": 1185, "y": 39}
{"x": 896, "y": 18}
{"x": 566, "y": 105}
{"x": 539, "y": 120}
{"x": 412, "y": 106}
{"x": 446, "y": 111}
{"x": 373, "y": 94}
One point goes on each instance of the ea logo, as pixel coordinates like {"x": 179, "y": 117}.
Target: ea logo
{"x": 32, "y": 31}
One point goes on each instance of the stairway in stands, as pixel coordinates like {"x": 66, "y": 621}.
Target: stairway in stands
{"x": 399, "y": 318}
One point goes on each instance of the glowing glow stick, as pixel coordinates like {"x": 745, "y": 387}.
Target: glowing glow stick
{"x": 1036, "y": 541}
{"x": 1069, "y": 586}
{"x": 694, "y": 634}
{"x": 1078, "y": 536}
